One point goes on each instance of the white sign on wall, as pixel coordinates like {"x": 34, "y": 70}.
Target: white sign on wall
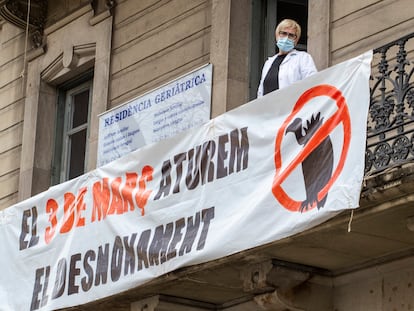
{"x": 168, "y": 110}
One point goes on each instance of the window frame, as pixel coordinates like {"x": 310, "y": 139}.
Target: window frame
{"x": 64, "y": 119}
{"x": 264, "y": 21}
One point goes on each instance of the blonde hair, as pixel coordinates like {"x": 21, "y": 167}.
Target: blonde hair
{"x": 289, "y": 23}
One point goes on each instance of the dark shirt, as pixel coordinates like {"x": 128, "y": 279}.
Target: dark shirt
{"x": 271, "y": 81}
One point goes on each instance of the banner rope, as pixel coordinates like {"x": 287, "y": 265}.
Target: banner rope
{"x": 350, "y": 220}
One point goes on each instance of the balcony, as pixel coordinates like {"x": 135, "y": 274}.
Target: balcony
{"x": 390, "y": 130}
{"x": 391, "y": 115}
{"x": 379, "y": 232}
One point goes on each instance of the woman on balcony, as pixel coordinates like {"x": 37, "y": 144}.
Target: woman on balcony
{"x": 289, "y": 65}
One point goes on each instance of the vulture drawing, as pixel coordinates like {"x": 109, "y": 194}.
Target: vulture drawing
{"x": 318, "y": 165}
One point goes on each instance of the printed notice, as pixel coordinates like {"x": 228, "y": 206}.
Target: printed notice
{"x": 177, "y": 106}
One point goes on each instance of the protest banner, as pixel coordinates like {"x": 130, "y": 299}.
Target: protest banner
{"x": 269, "y": 169}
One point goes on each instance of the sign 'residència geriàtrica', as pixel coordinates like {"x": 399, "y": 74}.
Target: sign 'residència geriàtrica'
{"x": 179, "y": 105}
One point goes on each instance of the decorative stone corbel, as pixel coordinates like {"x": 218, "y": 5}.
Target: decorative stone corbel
{"x": 15, "y": 12}
{"x": 276, "y": 301}
{"x": 274, "y": 285}
{"x": 255, "y": 278}
{"x": 148, "y": 304}
{"x": 266, "y": 276}
{"x": 167, "y": 303}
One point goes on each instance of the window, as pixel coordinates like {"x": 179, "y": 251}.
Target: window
{"x": 266, "y": 14}
{"x": 72, "y": 131}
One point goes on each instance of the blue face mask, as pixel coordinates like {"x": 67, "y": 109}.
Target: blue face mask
{"x": 285, "y": 44}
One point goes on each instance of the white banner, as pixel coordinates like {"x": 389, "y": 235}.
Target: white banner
{"x": 164, "y": 112}
{"x": 264, "y": 171}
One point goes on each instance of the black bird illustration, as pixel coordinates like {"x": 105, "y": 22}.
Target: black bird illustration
{"x": 318, "y": 165}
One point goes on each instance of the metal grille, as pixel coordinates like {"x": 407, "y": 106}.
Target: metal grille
{"x": 390, "y": 130}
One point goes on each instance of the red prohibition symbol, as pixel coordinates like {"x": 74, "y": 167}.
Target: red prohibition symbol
{"x": 340, "y": 116}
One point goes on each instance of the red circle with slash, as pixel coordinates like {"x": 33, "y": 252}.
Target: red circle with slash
{"x": 340, "y": 116}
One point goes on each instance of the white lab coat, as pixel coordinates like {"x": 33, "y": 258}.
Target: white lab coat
{"x": 296, "y": 66}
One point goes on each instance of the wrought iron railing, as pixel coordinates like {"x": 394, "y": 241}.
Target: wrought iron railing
{"x": 390, "y": 130}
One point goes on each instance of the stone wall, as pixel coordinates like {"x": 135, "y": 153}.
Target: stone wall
{"x": 11, "y": 110}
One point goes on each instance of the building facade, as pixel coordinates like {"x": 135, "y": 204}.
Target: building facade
{"x": 69, "y": 61}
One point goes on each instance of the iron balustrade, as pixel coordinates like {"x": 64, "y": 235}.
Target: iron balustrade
{"x": 390, "y": 128}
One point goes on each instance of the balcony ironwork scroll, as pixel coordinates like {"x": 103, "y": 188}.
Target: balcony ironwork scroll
{"x": 390, "y": 130}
